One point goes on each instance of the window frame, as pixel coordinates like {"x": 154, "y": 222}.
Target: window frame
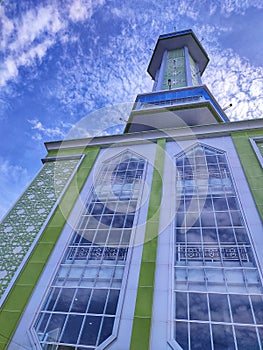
{"x": 57, "y": 262}
{"x": 253, "y": 141}
{"x": 171, "y": 339}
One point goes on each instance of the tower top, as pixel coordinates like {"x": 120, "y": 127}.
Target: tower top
{"x": 178, "y": 97}
{"x": 177, "y": 40}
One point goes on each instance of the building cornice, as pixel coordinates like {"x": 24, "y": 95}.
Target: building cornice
{"x": 210, "y": 130}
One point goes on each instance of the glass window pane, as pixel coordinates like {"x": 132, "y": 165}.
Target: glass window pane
{"x": 257, "y": 302}
{"x": 220, "y": 204}
{"x": 232, "y": 203}
{"x": 92, "y": 222}
{"x": 105, "y": 220}
{"x": 200, "y": 336}
{"x": 246, "y": 338}
{"x": 90, "y": 330}
{"x": 193, "y": 235}
{"x": 260, "y": 332}
{"x": 97, "y": 209}
{"x": 181, "y": 276}
{"x": 198, "y": 306}
{"x": 81, "y": 300}
{"x": 241, "y": 235}
{"x": 42, "y": 322}
{"x": 101, "y": 237}
{"x": 126, "y": 235}
{"x": 114, "y": 237}
{"x": 209, "y": 235}
{"x": 181, "y": 305}
{"x": 179, "y": 219}
{"x": 55, "y": 325}
{"x": 52, "y": 298}
{"x": 223, "y": 219}
{"x": 223, "y": 337}
{"x": 112, "y": 302}
{"x": 219, "y": 309}
{"x": 65, "y": 299}
{"x": 181, "y": 334}
{"x": 180, "y": 236}
{"x": 98, "y": 300}
{"x": 241, "y": 310}
{"x": 106, "y": 331}
{"x": 236, "y": 218}
{"x": 87, "y": 237}
{"x": 118, "y": 220}
{"x": 192, "y": 219}
{"x": 208, "y": 204}
{"x": 72, "y": 329}
{"x": 129, "y": 221}
{"x": 211, "y": 159}
{"x": 207, "y": 219}
{"x": 226, "y": 235}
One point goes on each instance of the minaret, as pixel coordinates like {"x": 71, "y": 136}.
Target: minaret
{"x": 178, "y": 98}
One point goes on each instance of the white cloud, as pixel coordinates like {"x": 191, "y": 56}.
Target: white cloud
{"x": 81, "y": 10}
{"x": 33, "y": 24}
{"x": 26, "y": 39}
{"x": 43, "y": 131}
{"x": 7, "y": 27}
{"x": 232, "y": 79}
{"x": 13, "y": 178}
{"x": 37, "y": 52}
{"x": 78, "y": 11}
{"x": 23, "y": 40}
{"x": 256, "y": 88}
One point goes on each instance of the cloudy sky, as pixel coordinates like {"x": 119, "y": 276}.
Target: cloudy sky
{"x": 61, "y": 61}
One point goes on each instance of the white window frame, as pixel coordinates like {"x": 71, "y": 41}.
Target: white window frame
{"x": 253, "y": 142}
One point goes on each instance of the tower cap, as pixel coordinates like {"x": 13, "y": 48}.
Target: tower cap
{"x": 176, "y": 40}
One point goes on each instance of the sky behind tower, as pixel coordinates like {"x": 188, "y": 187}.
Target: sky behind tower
{"x": 61, "y": 61}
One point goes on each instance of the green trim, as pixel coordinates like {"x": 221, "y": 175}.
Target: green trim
{"x": 66, "y": 151}
{"x": 19, "y": 295}
{"x": 250, "y": 164}
{"x": 143, "y": 310}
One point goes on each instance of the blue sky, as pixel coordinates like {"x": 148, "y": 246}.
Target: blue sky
{"x": 61, "y": 61}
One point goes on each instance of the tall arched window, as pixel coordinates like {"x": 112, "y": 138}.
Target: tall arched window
{"x": 217, "y": 288}
{"x": 83, "y": 303}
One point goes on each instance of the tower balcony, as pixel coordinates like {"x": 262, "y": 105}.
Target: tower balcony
{"x": 187, "y": 106}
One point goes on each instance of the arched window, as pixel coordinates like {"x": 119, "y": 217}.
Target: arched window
{"x": 83, "y": 303}
{"x": 217, "y": 288}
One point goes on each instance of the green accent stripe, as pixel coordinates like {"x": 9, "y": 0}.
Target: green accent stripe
{"x": 19, "y": 295}
{"x": 250, "y": 164}
{"x": 143, "y": 310}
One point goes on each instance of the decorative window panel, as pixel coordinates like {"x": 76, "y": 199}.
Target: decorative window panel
{"x": 194, "y": 71}
{"x": 174, "y": 74}
{"x": 21, "y": 226}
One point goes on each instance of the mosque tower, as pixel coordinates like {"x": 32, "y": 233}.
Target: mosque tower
{"x": 178, "y": 97}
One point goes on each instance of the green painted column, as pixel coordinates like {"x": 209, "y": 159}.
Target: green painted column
{"x": 14, "y": 305}
{"x": 251, "y": 165}
{"x": 143, "y": 310}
